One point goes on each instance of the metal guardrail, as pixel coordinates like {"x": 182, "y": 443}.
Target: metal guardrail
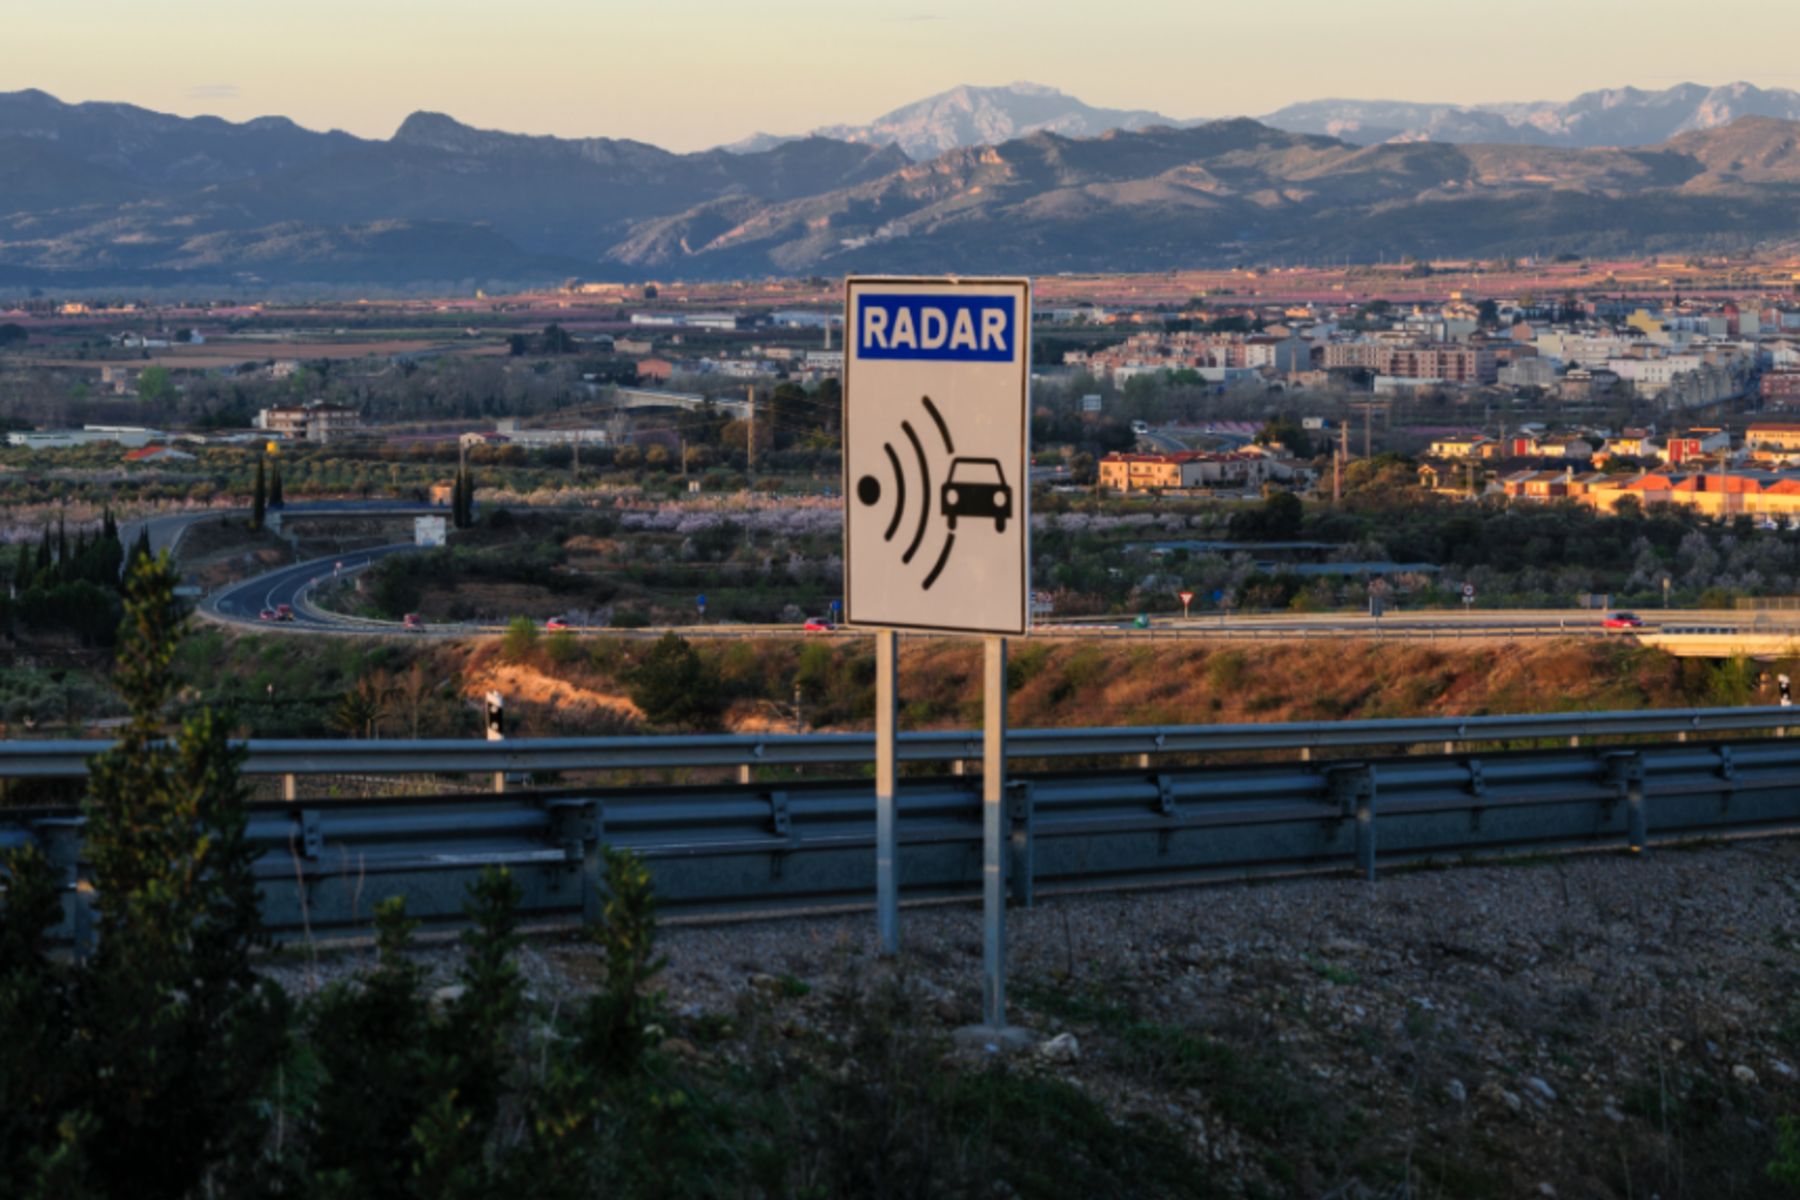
{"x": 323, "y": 866}
{"x": 68, "y": 759}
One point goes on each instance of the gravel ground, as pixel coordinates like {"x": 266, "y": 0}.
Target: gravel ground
{"x": 1576, "y": 1026}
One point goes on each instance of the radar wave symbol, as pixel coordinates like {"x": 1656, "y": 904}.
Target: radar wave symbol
{"x": 870, "y": 490}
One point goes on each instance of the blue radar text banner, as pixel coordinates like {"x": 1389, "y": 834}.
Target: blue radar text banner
{"x": 946, "y": 328}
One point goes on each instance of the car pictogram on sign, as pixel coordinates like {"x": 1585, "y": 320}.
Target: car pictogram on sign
{"x": 977, "y": 488}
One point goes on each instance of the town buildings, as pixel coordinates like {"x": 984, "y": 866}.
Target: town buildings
{"x": 316, "y": 422}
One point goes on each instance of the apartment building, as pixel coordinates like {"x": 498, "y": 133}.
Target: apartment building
{"x": 316, "y": 422}
{"x": 1443, "y": 362}
{"x": 1185, "y": 470}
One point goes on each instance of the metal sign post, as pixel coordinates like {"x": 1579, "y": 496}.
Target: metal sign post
{"x": 993, "y": 834}
{"x": 937, "y": 477}
{"x": 1187, "y": 598}
{"x": 887, "y": 877}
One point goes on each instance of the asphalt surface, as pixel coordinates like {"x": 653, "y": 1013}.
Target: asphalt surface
{"x": 242, "y": 604}
{"x": 245, "y": 601}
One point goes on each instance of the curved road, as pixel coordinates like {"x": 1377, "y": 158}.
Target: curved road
{"x": 1706, "y": 633}
{"x": 1726, "y": 632}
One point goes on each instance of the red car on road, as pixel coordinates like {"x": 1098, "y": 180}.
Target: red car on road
{"x": 1622, "y": 620}
{"x": 556, "y": 623}
{"x": 818, "y": 625}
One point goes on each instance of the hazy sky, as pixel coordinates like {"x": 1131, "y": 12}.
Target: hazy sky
{"x": 693, "y": 73}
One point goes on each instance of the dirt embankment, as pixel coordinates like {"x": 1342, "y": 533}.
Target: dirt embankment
{"x": 215, "y": 553}
{"x": 585, "y": 684}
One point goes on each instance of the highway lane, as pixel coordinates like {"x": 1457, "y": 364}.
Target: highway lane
{"x": 243, "y": 602}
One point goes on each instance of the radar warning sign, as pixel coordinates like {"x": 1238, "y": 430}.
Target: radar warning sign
{"x": 937, "y": 482}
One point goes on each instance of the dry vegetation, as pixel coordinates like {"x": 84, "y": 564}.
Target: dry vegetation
{"x": 563, "y": 685}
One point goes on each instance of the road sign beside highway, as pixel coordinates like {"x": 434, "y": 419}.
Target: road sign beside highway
{"x": 936, "y": 462}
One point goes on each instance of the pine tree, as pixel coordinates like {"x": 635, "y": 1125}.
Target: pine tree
{"x": 259, "y": 501}
{"x": 462, "y": 500}
{"x": 22, "y": 570}
{"x": 275, "y": 497}
{"x": 140, "y": 550}
{"x": 62, "y": 548}
{"x": 165, "y": 1008}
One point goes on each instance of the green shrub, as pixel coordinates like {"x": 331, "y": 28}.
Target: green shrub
{"x": 520, "y": 640}
{"x": 675, "y": 687}
{"x": 1225, "y": 671}
{"x": 561, "y": 648}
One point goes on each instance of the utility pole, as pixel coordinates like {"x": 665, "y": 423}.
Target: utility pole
{"x": 577, "y": 461}
{"x": 750, "y": 443}
{"x": 1339, "y": 460}
{"x": 1368, "y": 417}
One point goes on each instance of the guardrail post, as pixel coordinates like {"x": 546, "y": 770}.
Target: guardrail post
{"x": 1022, "y": 845}
{"x": 1625, "y": 771}
{"x": 290, "y": 787}
{"x": 61, "y": 840}
{"x": 575, "y": 827}
{"x": 1353, "y": 787}
{"x": 743, "y": 774}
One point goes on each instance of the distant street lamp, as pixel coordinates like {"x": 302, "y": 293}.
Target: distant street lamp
{"x": 1665, "y": 591}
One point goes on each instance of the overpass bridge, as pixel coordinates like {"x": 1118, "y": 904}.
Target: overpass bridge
{"x": 636, "y": 398}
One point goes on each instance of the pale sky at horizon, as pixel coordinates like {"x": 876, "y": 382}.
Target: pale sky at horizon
{"x": 687, "y": 74}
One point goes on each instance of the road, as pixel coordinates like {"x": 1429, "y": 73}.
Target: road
{"x": 1684, "y": 632}
{"x": 1709, "y": 634}
{"x": 166, "y": 530}
{"x": 243, "y": 602}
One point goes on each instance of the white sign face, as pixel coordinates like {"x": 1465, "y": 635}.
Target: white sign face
{"x": 937, "y": 376}
{"x": 429, "y": 531}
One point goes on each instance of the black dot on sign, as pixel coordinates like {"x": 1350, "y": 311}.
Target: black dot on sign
{"x": 868, "y": 489}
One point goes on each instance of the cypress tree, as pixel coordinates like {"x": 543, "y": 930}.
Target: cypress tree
{"x": 275, "y": 498}
{"x": 62, "y": 547}
{"x": 141, "y": 549}
{"x": 258, "y": 502}
{"x": 22, "y": 570}
{"x": 43, "y": 552}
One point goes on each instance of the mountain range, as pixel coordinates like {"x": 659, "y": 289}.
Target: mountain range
{"x": 110, "y": 195}
{"x": 973, "y": 116}
{"x": 976, "y": 116}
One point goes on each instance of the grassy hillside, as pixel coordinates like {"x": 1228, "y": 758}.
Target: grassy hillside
{"x": 558, "y": 685}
